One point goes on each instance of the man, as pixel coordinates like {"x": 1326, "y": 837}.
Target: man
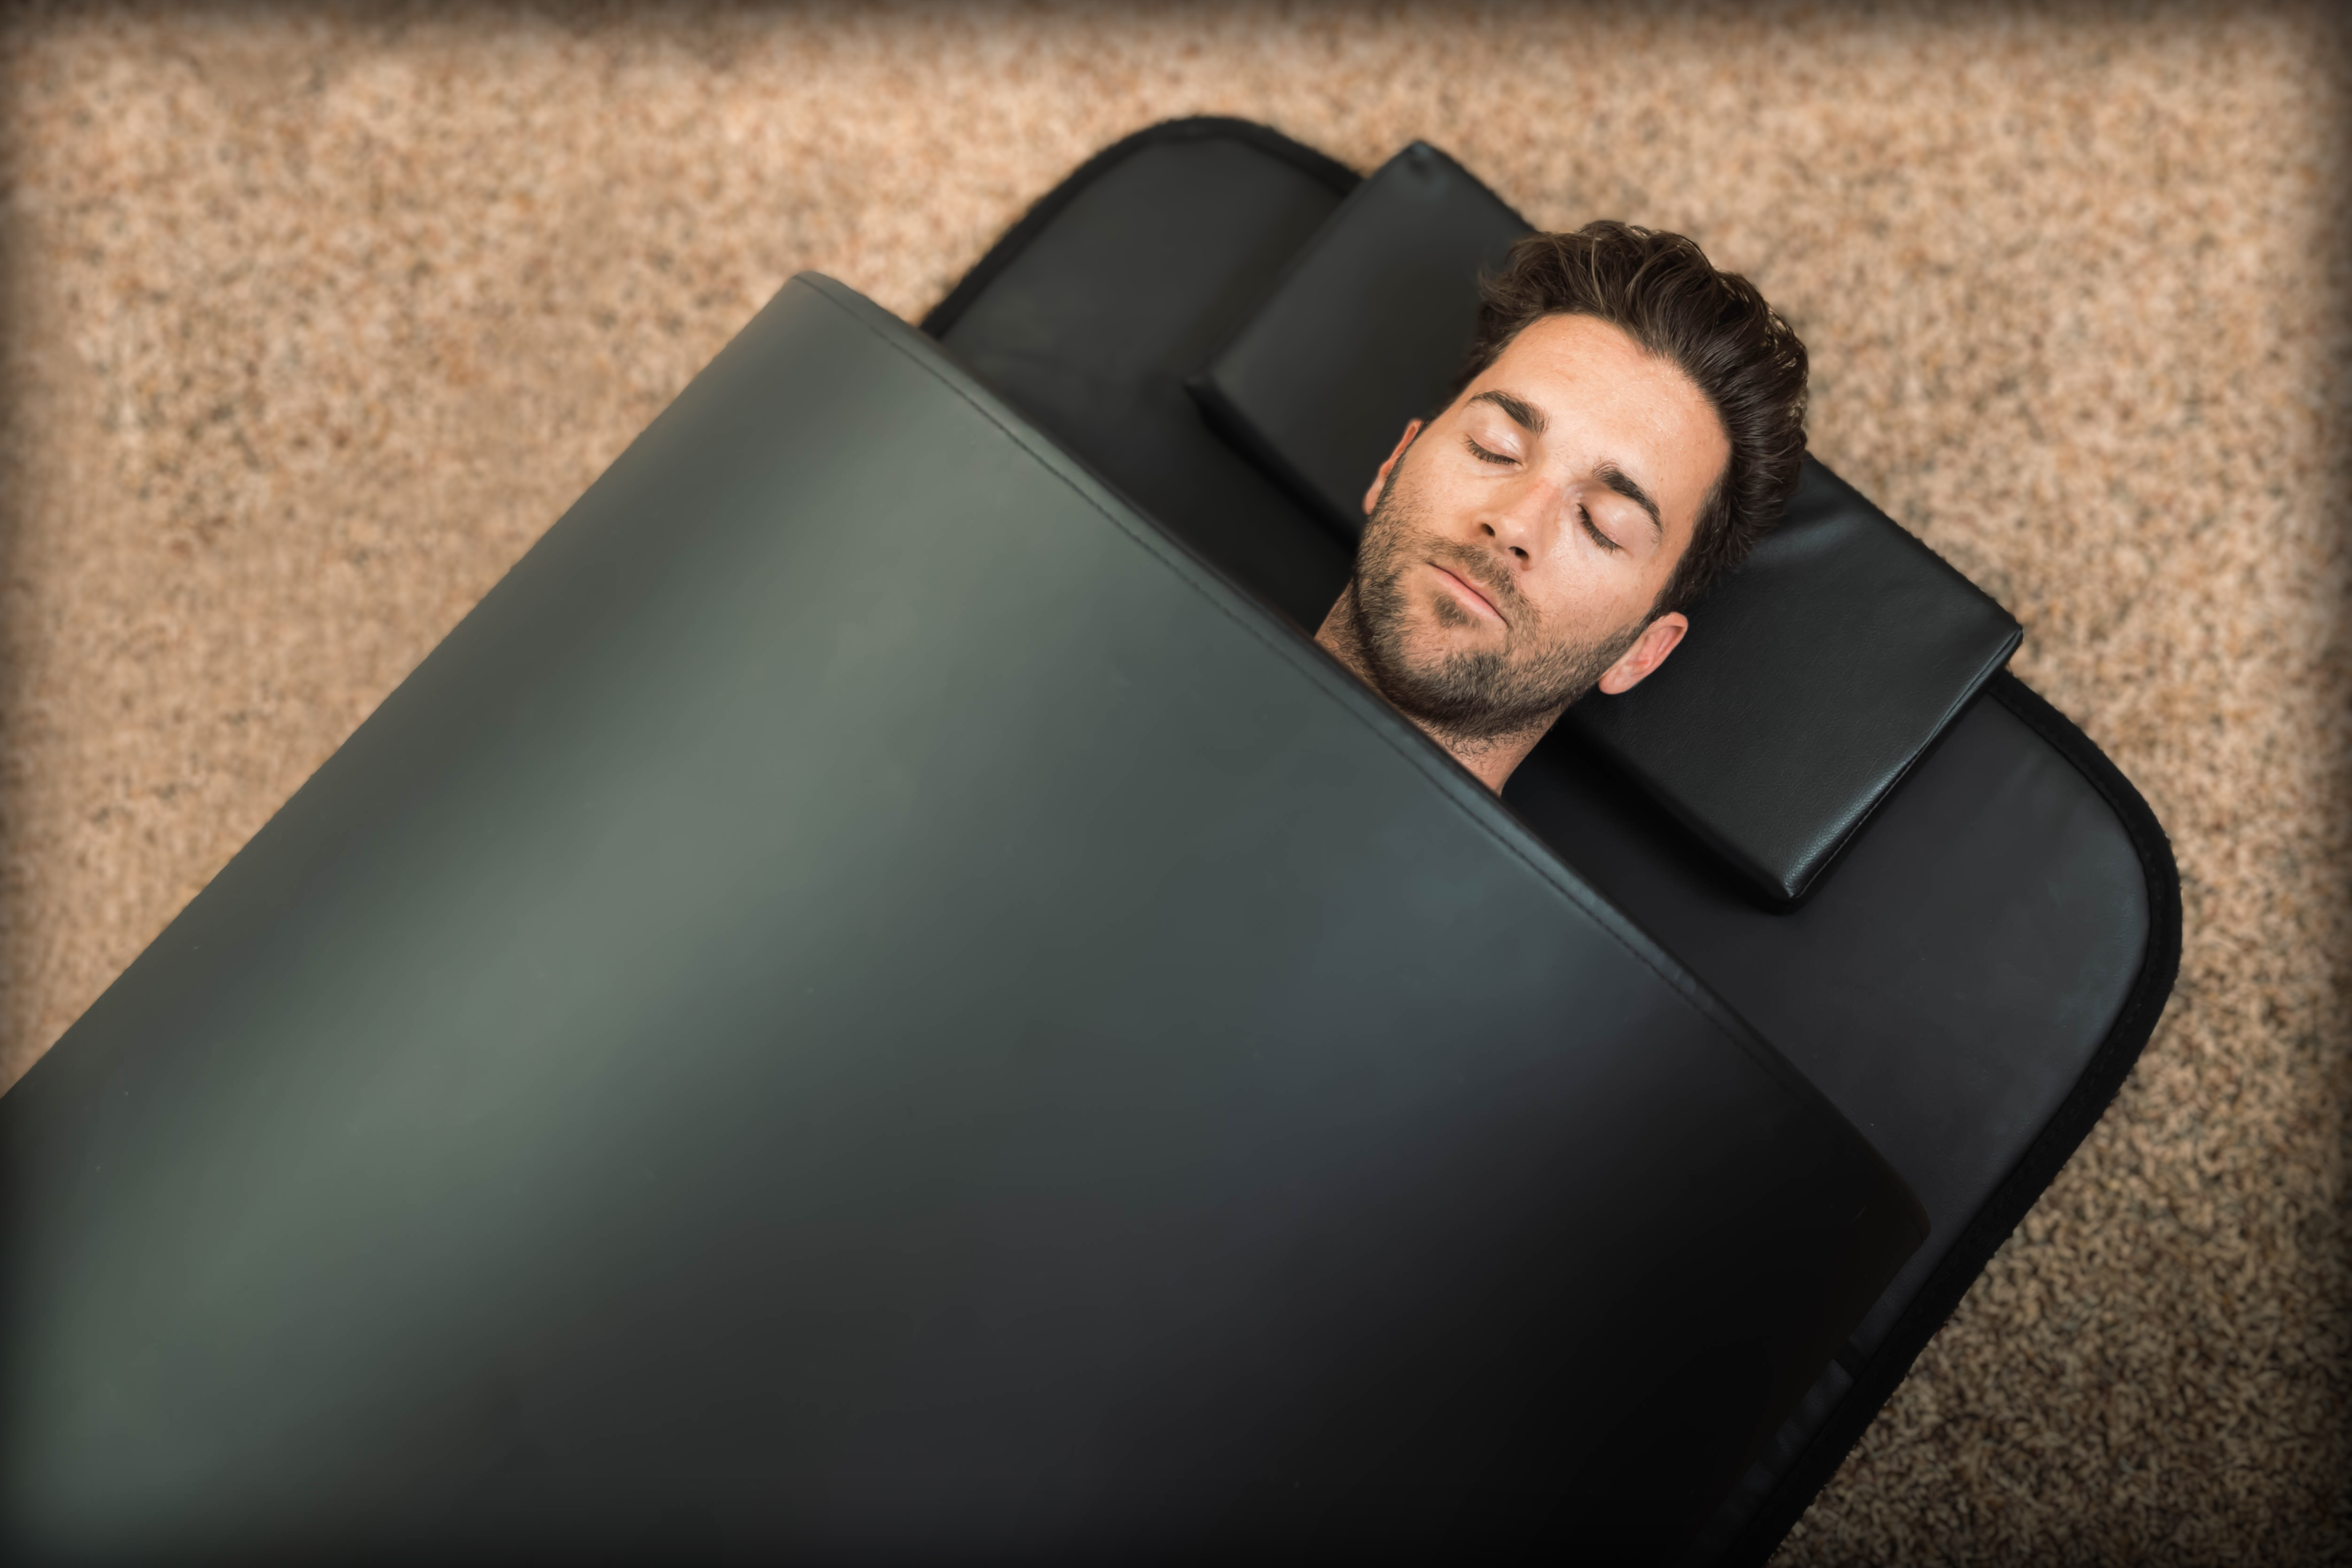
{"x": 1628, "y": 423}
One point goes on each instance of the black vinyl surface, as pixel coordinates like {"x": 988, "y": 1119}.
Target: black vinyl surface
{"x": 1947, "y": 1001}
{"x": 1970, "y": 986}
{"x": 863, "y": 1005}
{"x": 1197, "y": 223}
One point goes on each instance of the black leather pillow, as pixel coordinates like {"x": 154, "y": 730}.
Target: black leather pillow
{"x": 1811, "y": 679}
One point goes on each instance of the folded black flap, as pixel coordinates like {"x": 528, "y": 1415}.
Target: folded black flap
{"x": 1364, "y": 331}
{"x": 1811, "y": 679}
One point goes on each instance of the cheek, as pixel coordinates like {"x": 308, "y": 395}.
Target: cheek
{"x": 1418, "y": 500}
{"x": 1586, "y": 601}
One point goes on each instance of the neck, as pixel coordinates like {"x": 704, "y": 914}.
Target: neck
{"x": 1490, "y": 759}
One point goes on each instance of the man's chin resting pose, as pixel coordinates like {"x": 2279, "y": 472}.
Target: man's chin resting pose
{"x": 1629, "y": 421}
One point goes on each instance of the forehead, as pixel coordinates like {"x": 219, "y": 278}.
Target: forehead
{"x": 1605, "y": 397}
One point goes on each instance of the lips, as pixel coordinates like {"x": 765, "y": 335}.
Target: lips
{"x": 1470, "y": 590}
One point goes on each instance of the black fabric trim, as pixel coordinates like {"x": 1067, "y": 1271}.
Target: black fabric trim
{"x": 2000, "y": 1214}
{"x": 1199, "y": 128}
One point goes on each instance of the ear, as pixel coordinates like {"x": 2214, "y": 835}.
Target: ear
{"x": 1380, "y": 480}
{"x": 1658, "y": 639}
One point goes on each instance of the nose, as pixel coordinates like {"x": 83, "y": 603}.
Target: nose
{"x": 1519, "y": 519}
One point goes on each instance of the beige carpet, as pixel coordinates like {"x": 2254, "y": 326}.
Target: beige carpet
{"x": 315, "y": 319}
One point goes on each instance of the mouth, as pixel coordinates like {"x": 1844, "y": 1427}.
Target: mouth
{"x": 1468, "y": 593}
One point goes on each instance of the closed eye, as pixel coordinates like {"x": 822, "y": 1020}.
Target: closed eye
{"x": 1584, "y": 515}
{"x": 1483, "y": 455}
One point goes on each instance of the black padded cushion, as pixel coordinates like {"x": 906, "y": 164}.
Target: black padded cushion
{"x": 1364, "y": 331}
{"x": 1811, "y": 679}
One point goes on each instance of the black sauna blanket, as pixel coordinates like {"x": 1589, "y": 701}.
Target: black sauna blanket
{"x": 866, "y": 1005}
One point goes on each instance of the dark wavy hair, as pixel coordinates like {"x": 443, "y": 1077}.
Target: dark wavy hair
{"x": 1661, "y": 290}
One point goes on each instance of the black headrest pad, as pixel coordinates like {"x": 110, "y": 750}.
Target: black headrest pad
{"x": 1811, "y": 679}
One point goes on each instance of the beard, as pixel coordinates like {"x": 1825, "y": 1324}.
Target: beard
{"x": 1473, "y": 696}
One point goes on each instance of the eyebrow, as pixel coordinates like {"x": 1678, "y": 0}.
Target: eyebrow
{"x": 1520, "y": 410}
{"x": 1618, "y": 480}
{"x": 1535, "y": 420}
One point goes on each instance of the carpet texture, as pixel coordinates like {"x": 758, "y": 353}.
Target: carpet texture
{"x": 315, "y": 317}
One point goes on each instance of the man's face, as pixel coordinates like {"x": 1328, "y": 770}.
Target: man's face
{"x": 1517, "y": 543}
